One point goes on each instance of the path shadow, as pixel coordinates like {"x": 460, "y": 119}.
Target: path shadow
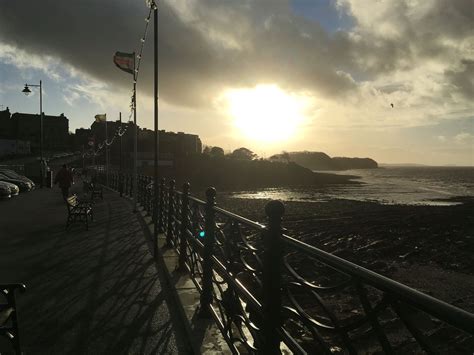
{"x": 95, "y": 291}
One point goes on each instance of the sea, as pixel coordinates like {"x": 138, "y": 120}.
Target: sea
{"x": 403, "y": 185}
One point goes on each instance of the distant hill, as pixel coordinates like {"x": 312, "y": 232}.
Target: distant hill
{"x": 322, "y": 161}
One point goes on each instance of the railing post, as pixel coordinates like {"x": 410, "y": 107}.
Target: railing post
{"x": 138, "y": 197}
{"x": 184, "y": 226}
{"x": 209, "y": 228}
{"x": 169, "y": 229}
{"x": 147, "y": 195}
{"x": 272, "y": 268}
{"x": 139, "y": 190}
{"x": 151, "y": 198}
{"x": 160, "y": 208}
{"x": 120, "y": 182}
{"x": 142, "y": 190}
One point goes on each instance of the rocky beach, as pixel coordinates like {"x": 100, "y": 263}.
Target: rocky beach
{"x": 430, "y": 248}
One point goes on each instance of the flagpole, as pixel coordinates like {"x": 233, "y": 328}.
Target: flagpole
{"x": 120, "y": 164}
{"x": 135, "y": 185}
{"x": 106, "y": 153}
{"x": 155, "y": 173}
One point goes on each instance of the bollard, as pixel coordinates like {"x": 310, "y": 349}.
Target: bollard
{"x": 209, "y": 229}
{"x": 160, "y": 208}
{"x": 271, "y": 283}
{"x": 169, "y": 230}
{"x": 184, "y": 226}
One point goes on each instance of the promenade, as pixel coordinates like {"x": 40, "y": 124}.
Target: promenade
{"x": 88, "y": 292}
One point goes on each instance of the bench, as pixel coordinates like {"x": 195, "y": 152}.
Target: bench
{"x": 95, "y": 190}
{"x": 78, "y": 211}
{"x": 8, "y": 315}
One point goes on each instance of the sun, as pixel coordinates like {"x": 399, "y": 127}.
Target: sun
{"x": 265, "y": 113}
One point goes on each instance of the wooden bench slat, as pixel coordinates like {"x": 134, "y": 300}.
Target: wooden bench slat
{"x": 5, "y": 315}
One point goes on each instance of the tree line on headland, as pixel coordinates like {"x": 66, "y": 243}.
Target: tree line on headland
{"x": 322, "y": 161}
{"x": 310, "y": 160}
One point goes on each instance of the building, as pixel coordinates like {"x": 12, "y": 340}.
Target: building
{"x": 81, "y": 139}
{"x": 6, "y": 124}
{"x": 172, "y": 145}
{"x": 55, "y": 130}
{"x": 177, "y": 144}
{"x": 13, "y": 147}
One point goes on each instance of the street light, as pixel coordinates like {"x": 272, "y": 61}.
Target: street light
{"x": 27, "y": 91}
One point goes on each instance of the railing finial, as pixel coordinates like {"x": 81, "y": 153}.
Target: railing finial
{"x": 186, "y": 187}
{"x": 211, "y": 195}
{"x": 275, "y": 210}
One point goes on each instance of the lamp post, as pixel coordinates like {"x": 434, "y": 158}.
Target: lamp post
{"x": 27, "y": 91}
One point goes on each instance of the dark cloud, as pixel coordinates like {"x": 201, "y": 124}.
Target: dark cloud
{"x": 193, "y": 66}
{"x": 217, "y": 44}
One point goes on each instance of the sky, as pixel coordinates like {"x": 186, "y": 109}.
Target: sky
{"x": 270, "y": 75}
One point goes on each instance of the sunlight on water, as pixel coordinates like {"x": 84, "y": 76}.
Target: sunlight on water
{"x": 407, "y": 186}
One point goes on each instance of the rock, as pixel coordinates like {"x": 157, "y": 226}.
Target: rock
{"x": 378, "y": 265}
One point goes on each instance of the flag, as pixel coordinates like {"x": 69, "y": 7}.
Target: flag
{"x": 125, "y": 61}
{"x": 101, "y": 118}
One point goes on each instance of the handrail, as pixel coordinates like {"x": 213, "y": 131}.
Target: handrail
{"x": 239, "y": 274}
{"x": 247, "y": 221}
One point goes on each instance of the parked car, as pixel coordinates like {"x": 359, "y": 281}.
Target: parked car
{"x": 8, "y": 190}
{"x": 22, "y": 184}
{"x": 14, "y": 175}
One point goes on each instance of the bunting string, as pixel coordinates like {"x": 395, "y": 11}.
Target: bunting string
{"x": 120, "y": 131}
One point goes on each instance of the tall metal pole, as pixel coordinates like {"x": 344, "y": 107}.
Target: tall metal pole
{"x": 120, "y": 164}
{"x": 106, "y": 154}
{"x": 155, "y": 97}
{"x": 135, "y": 144}
{"x": 41, "y": 134}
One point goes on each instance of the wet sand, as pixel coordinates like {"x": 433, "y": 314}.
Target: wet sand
{"x": 430, "y": 248}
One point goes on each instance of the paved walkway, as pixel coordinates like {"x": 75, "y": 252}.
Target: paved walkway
{"x": 88, "y": 292}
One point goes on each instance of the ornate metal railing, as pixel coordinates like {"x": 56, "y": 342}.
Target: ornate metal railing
{"x": 270, "y": 293}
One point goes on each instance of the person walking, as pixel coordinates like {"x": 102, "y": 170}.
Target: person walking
{"x": 64, "y": 179}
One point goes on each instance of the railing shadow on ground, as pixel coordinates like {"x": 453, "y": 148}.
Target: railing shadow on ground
{"x": 270, "y": 293}
{"x": 96, "y": 291}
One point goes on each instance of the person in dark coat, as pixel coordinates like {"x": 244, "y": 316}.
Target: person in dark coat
{"x": 64, "y": 179}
